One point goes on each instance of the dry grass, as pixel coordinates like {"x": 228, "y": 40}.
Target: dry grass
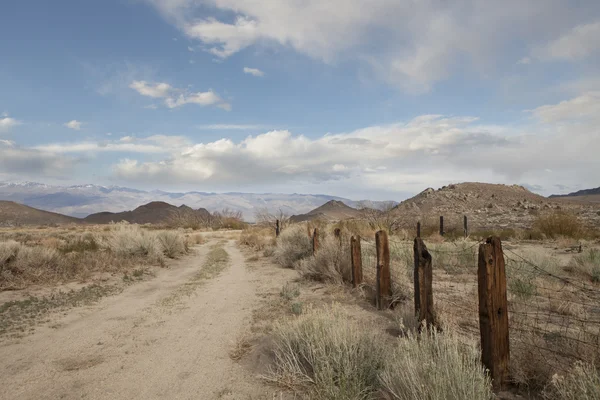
{"x": 333, "y": 357}
{"x": 582, "y": 382}
{"x": 559, "y": 224}
{"x": 330, "y": 263}
{"x": 48, "y": 256}
{"x": 292, "y": 245}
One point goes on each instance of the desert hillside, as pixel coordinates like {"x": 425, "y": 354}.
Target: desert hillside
{"x": 333, "y": 210}
{"x": 585, "y": 196}
{"x": 155, "y": 212}
{"x": 486, "y": 205}
{"x": 15, "y": 214}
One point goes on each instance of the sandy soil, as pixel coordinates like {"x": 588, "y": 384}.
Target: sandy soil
{"x": 136, "y": 345}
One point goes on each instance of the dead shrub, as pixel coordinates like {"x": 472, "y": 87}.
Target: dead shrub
{"x": 558, "y": 223}
{"x": 331, "y": 263}
{"x": 293, "y": 245}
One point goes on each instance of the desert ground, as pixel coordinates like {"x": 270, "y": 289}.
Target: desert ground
{"x": 124, "y": 311}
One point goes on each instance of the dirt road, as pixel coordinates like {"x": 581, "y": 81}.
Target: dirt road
{"x": 169, "y": 337}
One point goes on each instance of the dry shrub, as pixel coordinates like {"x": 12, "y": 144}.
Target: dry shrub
{"x": 293, "y": 245}
{"x": 582, "y": 382}
{"x": 256, "y": 238}
{"x": 132, "y": 241}
{"x": 331, "y": 263}
{"x": 558, "y": 223}
{"x": 172, "y": 243}
{"x": 326, "y": 353}
{"x": 435, "y": 366}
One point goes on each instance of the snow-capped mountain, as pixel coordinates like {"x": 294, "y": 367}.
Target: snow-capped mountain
{"x": 82, "y": 200}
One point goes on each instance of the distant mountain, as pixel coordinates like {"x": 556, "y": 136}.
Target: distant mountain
{"x": 584, "y": 192}
{"x": 585, "y": 196}
{"x": 14, "y": 214}
{"x": 333, "y": 210}
{"x": 83, "y": 200}
{"x": 156, "y": 212}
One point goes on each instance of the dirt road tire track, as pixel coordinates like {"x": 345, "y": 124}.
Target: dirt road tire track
{"x": 129, "y": 346}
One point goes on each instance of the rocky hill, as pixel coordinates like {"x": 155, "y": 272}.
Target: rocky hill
{"x": 486, "y": 205}
{"x": 15, "y": 214}
{"x": 333, "y": 210}
{"x": 156, "y": 212}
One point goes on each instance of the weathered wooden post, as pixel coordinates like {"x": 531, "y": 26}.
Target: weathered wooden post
{"x": 277, "y": 228}
{"x": 308, "y": 230}
{"x": 355, "y": 253}
{"x": 384, "y": 281}
{"x": 315, "y": 241}
{"x": 337, "y": 232}
{"x": 419, "y": 229}
{"x": 423, "y": 277}
{"x": 493, "y": 312}
{"x": 441, "y": 225}
{"x": 466, "y": 226}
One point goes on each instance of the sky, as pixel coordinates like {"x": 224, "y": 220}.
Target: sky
{"x": 366, "y": 99}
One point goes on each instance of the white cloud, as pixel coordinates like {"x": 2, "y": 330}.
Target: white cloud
{"x": 176, "y": 97}
{"x": 412, "y": 44}
{"x": 254, "y": 71}
{"x": 154, "y": 90}
{"x": 156, "y": 144}
{"x": 581, "y": 108}
{"x": 580, "y": 42}
{"x": 429, "y": 150}
{"x": 74, "y": 124}
{"x": 524, "y": 61}
{"x": 7, "y": 123}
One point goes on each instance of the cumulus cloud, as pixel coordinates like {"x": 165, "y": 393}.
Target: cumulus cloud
{"x": 254, "y": 72}
{"x": 174, "y": 97}
{"x": 425, "y": 151}
{"x": 74, "y": 124}
{"x": 407, "y": 43}
{"x": 583, "y": 107}
{"x": 7, "y": 123}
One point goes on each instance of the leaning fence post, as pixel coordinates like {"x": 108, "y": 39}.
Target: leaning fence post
{"x": 384, "y": 282}
{"x": 419, "y": 229}
{"x": 466, "y": 226}
{"x": 441, "y": 225}
{"x": 356, "y": 261}
{"x": 277, "y": 228}
{"x": 315, "y": 241}
{"x": 493, "y": 312}
{"x": 423, "y": 278}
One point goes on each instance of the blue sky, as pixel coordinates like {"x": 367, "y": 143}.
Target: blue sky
{"x": 353, "y": 98}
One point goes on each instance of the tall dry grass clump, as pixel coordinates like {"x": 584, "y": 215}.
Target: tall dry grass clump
{"x": 330, "y": 264}
{"x": 588, "y": 264}
{"x": 582, "y": 382}
{"x": 435, "y": 366}
{"x": 329, "y": 355}
{"x": 293, "y": 245}
{"x": 557, "y": 224}
{"x": 133, "y": 241}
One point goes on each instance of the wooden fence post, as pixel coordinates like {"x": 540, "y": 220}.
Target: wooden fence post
{"x": 419, "y": 229}
{"x": 315, "y": 241}
{"x": 337, "y": 232}
{"x": 441, "y": 225}
{"x": 493, "y": 312}
{"x": 466, "y": 226}
{"x": 356, "y": 261}
{"x": 423, "y": 277}
{"x": 384, "y": 281}
{"x": 277, "y": 228}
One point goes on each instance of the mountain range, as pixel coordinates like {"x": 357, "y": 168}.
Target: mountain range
{"x": 82, "y": 200}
